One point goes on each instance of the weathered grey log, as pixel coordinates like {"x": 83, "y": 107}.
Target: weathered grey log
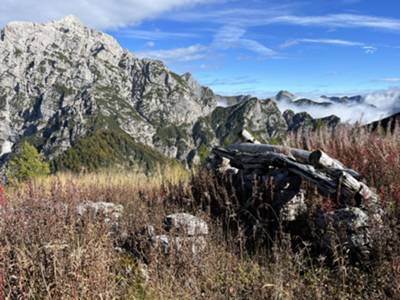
{"x": 319, "y": 159}
{"x": 264, "y": 160}
{"x": 372, "y": 203}
{"x": 342, "y": 185}
{"x": 293, "y": 153}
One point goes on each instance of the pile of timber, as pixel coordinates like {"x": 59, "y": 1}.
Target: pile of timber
{"x": 331, "y": 178}
{"x": 355, "y": 219}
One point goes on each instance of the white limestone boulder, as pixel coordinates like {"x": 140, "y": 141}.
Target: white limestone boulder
{"x": 186, "y": 224}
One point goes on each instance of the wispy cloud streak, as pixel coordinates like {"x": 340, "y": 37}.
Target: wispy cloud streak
{"x": 392, "y": 79}
{"x": 194, "y": 52}
{"x": 340, "y": 20}
{"x": 153, "y": 34}
{"x": 284, "y": 15}
{"x": 337, "y": 42}
{"x": 234, "y": 37}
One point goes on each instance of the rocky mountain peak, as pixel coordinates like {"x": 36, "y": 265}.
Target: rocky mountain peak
{"x": 284, "y": 96}
{"x": 65, "y": 35}
{"x": 70, "y": 21}
{"x": 58, "y": 79}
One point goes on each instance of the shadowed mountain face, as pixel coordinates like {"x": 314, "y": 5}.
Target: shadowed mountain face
{"x": 62, "y": 82}
{"x": 386, "y": 124}
{"x": 345, "y": 100}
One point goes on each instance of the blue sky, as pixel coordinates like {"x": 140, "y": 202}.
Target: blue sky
{"x": 251, "y": 47}
{"x": 260, "y": 47}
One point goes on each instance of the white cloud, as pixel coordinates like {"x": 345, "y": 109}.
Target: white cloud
{"x": 386, "y": 100}
{"x": 347, "y": 113}
{"x": 101, "y": 14}
{"x": 370, "y": 49}
{"x": 350, "y": 1}
{"x": 150, "y": 44}
{"x": 194, "y": 52}
{"x": 337, "y": 42}
{"x": 227, "y": 37}
{"x": 233, "y": 37}
{"x": 232, "y": 81}
{"x": 339, "y": 20}
{"x": 391, "y": 79}
{"x": 238, "y": 16}
{"x": 153, "y": 34}
{"x": 322, "y": 41}
{"x": 285, "y": 15}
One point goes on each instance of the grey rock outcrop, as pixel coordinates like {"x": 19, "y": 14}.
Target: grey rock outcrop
{"x": 185, "y": 223}
{"x": 195, "y": 244}
{"x": 294, "y": 208}
{"x": 303, "y": 122}
{"x": 185, "y": 232}
{"x": 347, "y": 227}
{"x": 111, "y": 212}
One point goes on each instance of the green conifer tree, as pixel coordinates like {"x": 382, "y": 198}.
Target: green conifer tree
{"x": 27, "y": 163}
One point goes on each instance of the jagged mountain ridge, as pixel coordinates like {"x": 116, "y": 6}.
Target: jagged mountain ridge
{"x": 56, "y": 78}
{"x": 62, "y": 81}
{"x": 387, "y": 124}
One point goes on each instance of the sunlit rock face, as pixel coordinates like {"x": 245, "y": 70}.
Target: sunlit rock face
{"x": 57, "y": 78}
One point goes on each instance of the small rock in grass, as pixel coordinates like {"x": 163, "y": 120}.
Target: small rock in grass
{"x": 184, "y": 223}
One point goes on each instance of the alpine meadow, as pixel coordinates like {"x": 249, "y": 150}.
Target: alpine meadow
{"x": 208, "y": 149}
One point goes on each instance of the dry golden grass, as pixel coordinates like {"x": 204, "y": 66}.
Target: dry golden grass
{"x": 47, "y": 252}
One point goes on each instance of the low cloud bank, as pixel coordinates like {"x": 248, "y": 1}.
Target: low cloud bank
{"x": 374, "y": 106}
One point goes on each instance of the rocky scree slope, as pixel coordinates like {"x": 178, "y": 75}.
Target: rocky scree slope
{"x": 62, "y": 83}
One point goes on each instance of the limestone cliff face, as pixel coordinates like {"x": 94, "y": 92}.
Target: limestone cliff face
{"x": 62, "y": 81}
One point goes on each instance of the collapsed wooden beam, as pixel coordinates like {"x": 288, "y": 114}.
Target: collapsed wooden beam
{"x": 334, "y": 181}
{"x": 296, "y": 154}
{"x": 319, "y": 159}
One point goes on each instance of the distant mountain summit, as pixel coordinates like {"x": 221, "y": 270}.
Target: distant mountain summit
{"x": 81, "y": 99}
{"x": 345, "y": 100}
{"x": 285, "y": 96}
{"x": 387, "y": 124}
